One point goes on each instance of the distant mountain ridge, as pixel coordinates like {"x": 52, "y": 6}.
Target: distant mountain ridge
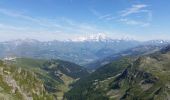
{"x": 132, "y": 52}
{"x": 80, "y": 51}
{"x": 77, "y": 52}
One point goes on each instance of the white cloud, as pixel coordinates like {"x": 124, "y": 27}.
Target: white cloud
{"x": 79, "y": 28}
{"x": 134, "y": 22}
{"x": 17, "y": 14}
{"x": 134, "y": 9}
{"x": 104, "y": 16}
{"x": 107, "y": 17}
{"x": 7, "y": 27}
{"x": 39, "y": 21}
{"x": 9, "y": 32}
{"x": 130, "y": 15}
{"x": 100, "y": 16}
{"x": 58, "y": 27}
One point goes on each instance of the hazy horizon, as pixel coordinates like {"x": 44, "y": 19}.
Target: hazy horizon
{"x": 77, "y": 38}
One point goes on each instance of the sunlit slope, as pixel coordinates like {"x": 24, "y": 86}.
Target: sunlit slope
{"x": 144, "y": 78}
{"x": 38, "y": 79}
{"x": 20, "y": 84}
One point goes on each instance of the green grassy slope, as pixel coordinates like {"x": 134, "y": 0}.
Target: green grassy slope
{"x": 144, "y": 78}
{"x": 84, "y": 89}
{"x": 20, "y": 84}
{"x": 38, "y": 79}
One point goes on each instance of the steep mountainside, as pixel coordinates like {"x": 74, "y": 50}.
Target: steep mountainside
{"x": 143, "y": 78}
{"x": 35, "y": 79}
{"x": 84, "y": 89}
{"x": 20, "y": 84}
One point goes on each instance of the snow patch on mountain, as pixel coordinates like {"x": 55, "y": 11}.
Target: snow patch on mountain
{"x": 92, "y": 37}
{"x": 97, "y": 38}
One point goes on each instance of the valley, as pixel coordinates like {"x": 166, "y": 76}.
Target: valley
{"x": 36, "y": 79}
{"x": 129, "y": 74}
{"x": 84, "y": 50}
{"x": 145, "y": 77}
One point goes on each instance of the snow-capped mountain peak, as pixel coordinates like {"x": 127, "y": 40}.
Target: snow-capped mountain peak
{"x": 93, "y": 37}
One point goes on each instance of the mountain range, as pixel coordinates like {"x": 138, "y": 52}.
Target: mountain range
{"x": 124, "y": 70}
{"x": 81, "y": 50}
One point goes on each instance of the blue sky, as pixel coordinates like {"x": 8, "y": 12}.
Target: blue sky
{"x": 62, "y": 19}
